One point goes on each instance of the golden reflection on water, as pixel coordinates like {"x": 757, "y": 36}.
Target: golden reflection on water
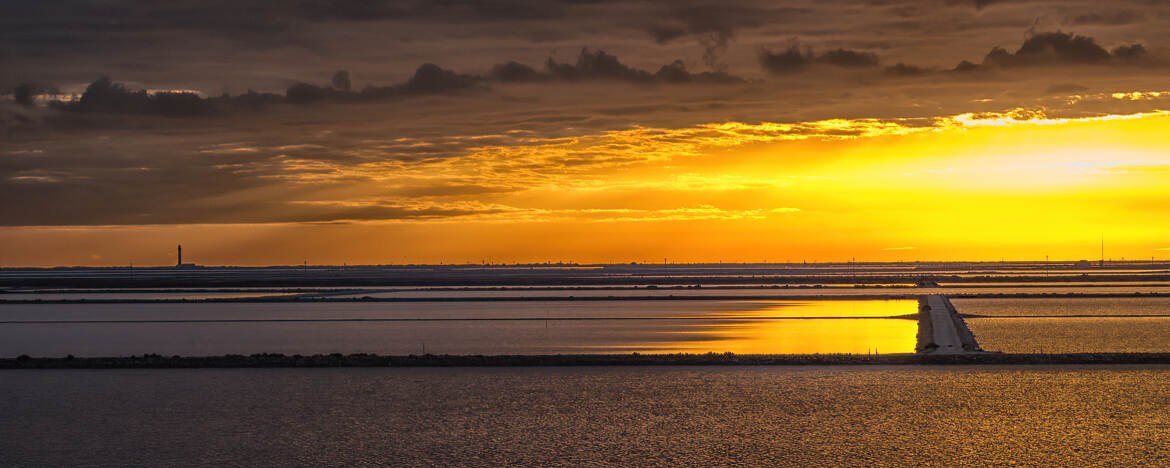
{"x": 827, "y": 308}
{"x": 742, "y": 334}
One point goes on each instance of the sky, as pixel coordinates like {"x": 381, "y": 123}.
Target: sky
{"x": 367, "y": 132}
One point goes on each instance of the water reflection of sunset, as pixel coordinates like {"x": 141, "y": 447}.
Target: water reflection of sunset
{"x": 825, "y": 309}
{"x": 806, "y": 334}
{"x": 802, "y": 336}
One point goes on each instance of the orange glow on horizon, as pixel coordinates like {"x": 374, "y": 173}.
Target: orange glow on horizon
{"x": 969, "y": 187}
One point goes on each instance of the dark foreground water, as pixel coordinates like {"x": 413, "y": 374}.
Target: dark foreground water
{"x": 664, "y": 416}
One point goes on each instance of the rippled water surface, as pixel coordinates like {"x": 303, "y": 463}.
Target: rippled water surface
{"x": 645, "y": 416}
{"x": 1073, "y": 334}
{"x": 521, "y": 327}
{"x": 1082, "y": 325}
{"x": 1064, "y": 306}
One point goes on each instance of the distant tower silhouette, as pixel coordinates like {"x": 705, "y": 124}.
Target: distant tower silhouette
{"x": 180, "y": 255}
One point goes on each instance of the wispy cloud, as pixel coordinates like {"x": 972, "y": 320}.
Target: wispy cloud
{"x": 464, "y": 211}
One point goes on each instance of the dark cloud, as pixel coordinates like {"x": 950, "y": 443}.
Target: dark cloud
{"x": 372, "y": 10}
{"x": 123, "y": 186}
{"x": 599, "y": 65}
{"x": 23, "y": 94}
{"x": 1062, "y": 47}
{"x": 967, "y": 66}
{"x": 848, "y": 58}
{"x": 64, "y": 27}
{"x": 1130, "y": 52}
{"x": 105, "y": 96}
{"x": 714, "y": 46}
{"x": 594, "y": 65}
{"x": 1115, "y": 18}
{"x": 304, "y": 93}
{"x": 1056, "y": 48}
{"x": 454, "y": 189}
{"x": 665, "y": 33}
{"x": 231, "y": 45}
{"x": 1064, "y": 88}
{"x": 307, "y": 213}
{"x": 428, "y": 79}
{"x": 977, "y": 4}
{"x": 246, "y": 19}
{"x": 432, "y": 79}
{"x": 790, "y": 60}
{"x": 902, "y": 69}
{"x": 906, "y": 11}
{"x": 713, "y": 26}
{"x": 515, "y": 71}
{"x": 722, "y": 20}
{"x": 111, "y": 159}
{"x": 676, "y": 72}
{"x": 341, "y": 81}
{"x": 793, "y": 59}
{"x": 81, "y": 204}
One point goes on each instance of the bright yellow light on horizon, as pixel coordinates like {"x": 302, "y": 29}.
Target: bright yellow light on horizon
{"x": 961, "y": 188}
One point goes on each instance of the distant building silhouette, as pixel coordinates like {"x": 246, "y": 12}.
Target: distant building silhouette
{"x": 180, "y": 263}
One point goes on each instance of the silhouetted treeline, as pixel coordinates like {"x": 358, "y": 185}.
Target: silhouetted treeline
{"x": 106, "y": 96}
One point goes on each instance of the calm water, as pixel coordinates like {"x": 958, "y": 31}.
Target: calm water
{"x": 528, "y": 327}
{"x": 647, "y": 416}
